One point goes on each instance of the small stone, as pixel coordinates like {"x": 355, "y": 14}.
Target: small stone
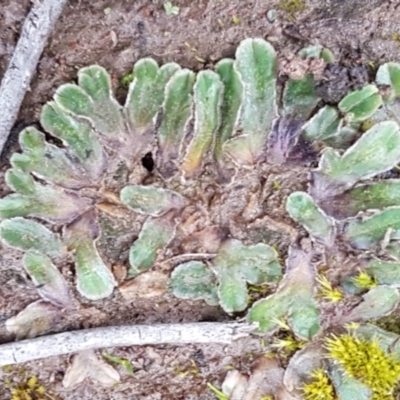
{"x": 271, "y": 16}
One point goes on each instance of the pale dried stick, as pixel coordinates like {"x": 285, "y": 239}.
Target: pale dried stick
{"x": 36, "y": 28}
{"x": 119, "y": 336}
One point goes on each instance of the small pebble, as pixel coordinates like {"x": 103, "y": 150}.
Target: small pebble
{"x": 271, "y": 16}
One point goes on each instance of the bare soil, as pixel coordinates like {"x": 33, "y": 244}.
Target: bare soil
{"x": 362, "y": 34}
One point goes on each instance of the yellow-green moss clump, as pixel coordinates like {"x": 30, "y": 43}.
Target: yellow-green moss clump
{"x": 30, "y": 389}
{"x": 320, "y": 388}
{"x": 367, "y": 362}
{"x": 292, "y": 7}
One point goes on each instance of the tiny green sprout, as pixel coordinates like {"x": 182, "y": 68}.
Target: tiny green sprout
{"x": 366, "y": 361}
{"x": 219, "y": 394}
{"x": 170, "y": 9}
{"x": 276, "y": 185}
{"x": 121, "y": 361}
{"x": 327, "y": 291}
{"x": 364, "y": 281}
{"x": 126, "y": 79}
{"x": 320, "y": 388}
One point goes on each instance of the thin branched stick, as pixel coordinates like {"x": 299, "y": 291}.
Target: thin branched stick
{"x": 119, "y": 336}
{"x": 37, "y": 27}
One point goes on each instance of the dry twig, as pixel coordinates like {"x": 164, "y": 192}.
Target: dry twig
{"x": 37, "y": 27}
{"x": 118, "y": 336}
